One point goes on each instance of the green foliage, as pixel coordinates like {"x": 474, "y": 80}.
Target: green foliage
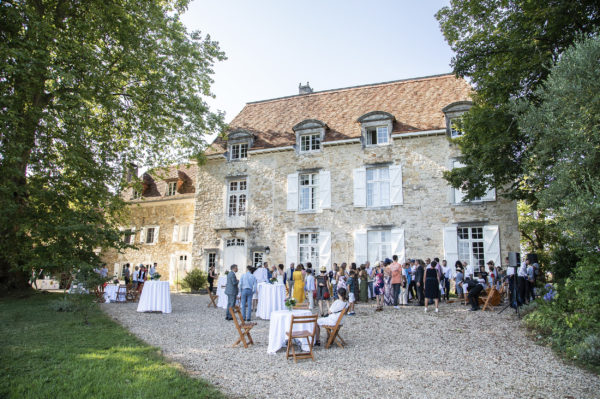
{"x": 64, "y": 304}
{"x": 53, "y": 355}
{"x": 506, "y": 48}
{"x": 588, "y": 351}
{"x": 538, "y": 232}
{"x": 85, "y": 90}
{"x": 195, "y": 280}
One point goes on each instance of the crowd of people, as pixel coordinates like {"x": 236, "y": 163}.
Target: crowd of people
{"x": 138, "y": 275}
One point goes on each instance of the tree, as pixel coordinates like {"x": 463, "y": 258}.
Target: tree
{"x": 506, "y": 48}
{"x": 86, "y": 88}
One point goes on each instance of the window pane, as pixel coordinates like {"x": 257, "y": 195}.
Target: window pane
{"x": 243, "y": 185}
{"x": 382, "y": 135}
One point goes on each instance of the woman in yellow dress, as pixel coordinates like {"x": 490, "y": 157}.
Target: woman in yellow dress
{"x": 299, "y": 284}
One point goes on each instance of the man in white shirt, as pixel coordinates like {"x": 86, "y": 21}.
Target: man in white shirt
{"x": 261, "y": 274}
{"x": 134, "y": 277}
{"x": 522, "y": 283}
{"x": 309, "y": 287}
{"x": 152, "y": 270}
{"x": 469, "y": 271}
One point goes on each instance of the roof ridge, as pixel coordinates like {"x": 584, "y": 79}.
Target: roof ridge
{"x": 354, "y": 87}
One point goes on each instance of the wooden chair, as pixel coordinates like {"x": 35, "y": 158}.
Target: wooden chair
{"x": 333, "y": 332}
{"x": 122, "y": 293}
{"x": 303, "y": 305}
{"x": 242, "y": 327}
{"x": 303, "y": 334}
{"x": 213, "y": 299}
{"x": 493, "y": 299}
{"x": 134, "y": 295}
{"x": 99, "y": 293}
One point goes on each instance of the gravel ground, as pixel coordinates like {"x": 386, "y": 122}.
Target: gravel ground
{"x": 403, "y": 353}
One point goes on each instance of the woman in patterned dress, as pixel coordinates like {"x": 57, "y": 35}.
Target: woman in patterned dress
{"x": 388, "y": 295}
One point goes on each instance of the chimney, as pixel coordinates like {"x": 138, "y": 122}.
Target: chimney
{"x": 304, "y": 89}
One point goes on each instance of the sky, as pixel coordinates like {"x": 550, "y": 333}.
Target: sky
{"x": 273, "y": 45}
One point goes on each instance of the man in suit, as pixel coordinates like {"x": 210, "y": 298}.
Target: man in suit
{"x": 231, "y": 290}
{"x": 474, "y": 288}
{"x": 419, "y": 278}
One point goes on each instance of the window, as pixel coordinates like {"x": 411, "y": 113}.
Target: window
{"x": 129, "y": 236}
{"x": 236, "y": 198}
{"x": 257, "y": 259}
{"x": 454, "y": 131}
{"x": 377, "y": 135}
{"x": 459, "y": 194}
{"x": 211, "y": 260}
{"x": 471, "y": 246}
{"x": 150, "y": 235}
{"x": 308, "y": 248}
{"x": 182, "y": 233}
{"x": 309, "y": 191}
{"x": 171, "y": 188}
{"x": 239, "y": 151}
{"x": 235, "y": 242}
{"x": 379, "y": 245}
{"x": 183, "y": 263}
{"x": 310, "y": 142}
{"x": 378, "y": 187}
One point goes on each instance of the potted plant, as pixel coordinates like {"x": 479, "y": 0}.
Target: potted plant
{"x": 290, "y": 303}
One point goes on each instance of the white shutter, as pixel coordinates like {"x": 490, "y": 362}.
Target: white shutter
{"x": 360, "y": 187}
{"x": 458, "y": 193}
{"x": 156, "y": 234}
{"x": 398, "y": 244}
{"x": 491, "y": 238}
{"x": 172, "y": 268}
{"x": 490, "y": 195}
{"x": 325, "y": 249}
{"x": 451, "y": 245}
{"x": 360, "y": 246}
{"x": 142, "y": 235}
{"x": 324, "y": 189}
{"x": 190, "y": 234}
{"x": 175, "y": 233}
{"x": 396, "y": 185}
{"x": 291, "y": 249}
{"x": 292, "y": 192}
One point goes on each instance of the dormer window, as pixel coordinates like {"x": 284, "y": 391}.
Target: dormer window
{"x": 453, "y": 113}
{"x": 376, "y": 128}
{"x": 310, "y": 133}
{"x": 239, "y": 151}
{"x": 171, "y": 188}
{"x": 239, "y": 142}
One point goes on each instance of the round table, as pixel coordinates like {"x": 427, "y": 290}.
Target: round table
{"x": 271, "y": 297}
{"x": 110, "y": 293}
{"x": 156, "y": 297}
{"x": 221, "y": 284}
{"x": 280, "y": 324}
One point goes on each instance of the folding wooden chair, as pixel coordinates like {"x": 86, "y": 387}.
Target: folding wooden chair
{"x": 99, "y": 292}
{"x": 213, "y": 299}
{"x": 122, "y": 293}
{"x": 493, "y": 299}
{"x": 307, "y": 334}
{"x": 303, "y": 305}
{"x": 242, "y": 327}
{"x": 134, "y": 295}
{"x": 333, "y": 332}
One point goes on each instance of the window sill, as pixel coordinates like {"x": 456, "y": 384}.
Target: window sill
{"x": 473, "y": 203}
{"x": 237, "y": 160}
{"x": 378, "y": 145}
{"x": 379, "y": 208}
{"x": 309, "y": 212}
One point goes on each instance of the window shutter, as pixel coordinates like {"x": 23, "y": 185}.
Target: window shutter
{"x": 190, "y": 234}
{"x": 291, "y": 250}
{"x": 360, "y": 246}
{"x": 325, "y": 249}
{"x": 360, "y": 187}
{"x": 172, "y": 272}
{"x": 458, "y": 193}
{"x": 155, "y": 235}
{"x": 175, "y": 233}
{"x": 398, "y": 244}
{"x": 324, "y": 189}
{"x": 292, "y": 192}
{"x": 491, "y": 238}
{"x": 142, "y": 235}
{"x": 396, "y": 185}
{"x": 450, "y": 245}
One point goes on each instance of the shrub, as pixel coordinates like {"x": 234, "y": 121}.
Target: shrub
{"x": 589, "y": 350}
{"x": 195, "y": 280}
{"x": 63, "y": 304}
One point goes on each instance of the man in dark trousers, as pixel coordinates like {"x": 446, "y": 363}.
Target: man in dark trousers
{"x": 474, "y": 288}
{"x": 231, "y": 290}
{"x": 419, "y": 277}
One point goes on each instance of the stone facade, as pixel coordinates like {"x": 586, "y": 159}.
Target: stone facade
{"x": 426, "y": 210}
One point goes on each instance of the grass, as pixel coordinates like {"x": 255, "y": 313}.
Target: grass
{"x": 48, "y": 354}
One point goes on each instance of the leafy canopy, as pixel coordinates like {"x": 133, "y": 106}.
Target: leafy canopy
{"x": 86, "y": 88}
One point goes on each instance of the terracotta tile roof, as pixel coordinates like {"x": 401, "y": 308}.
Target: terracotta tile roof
{"x": 415, "y": 103}
{"x": 154, "y": 185}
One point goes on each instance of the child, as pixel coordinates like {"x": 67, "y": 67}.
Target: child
{"x": 351, "y": 286}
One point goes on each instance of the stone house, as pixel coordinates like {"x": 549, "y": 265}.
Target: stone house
{"x": 346, "y": 175}
{"x": 161, "y": 223}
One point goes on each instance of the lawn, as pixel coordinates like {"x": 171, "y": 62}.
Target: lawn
{"x": 49, "y": 354}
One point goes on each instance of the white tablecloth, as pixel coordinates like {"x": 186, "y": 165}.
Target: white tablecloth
{"x": 280, "y": 324}
{"x": 110, "y": 293}
{"x": 221, "y": 284}
{"x": 271, "y": 297}
{"x": 155, "y": 297}
{"x": 46, "y": 284}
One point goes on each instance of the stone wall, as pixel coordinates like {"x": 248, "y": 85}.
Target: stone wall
{"x": 165, "y": 213}
{"x": 426, "y": 209}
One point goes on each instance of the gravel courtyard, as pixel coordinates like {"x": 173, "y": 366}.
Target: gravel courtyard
{"x": 402, "y": 353}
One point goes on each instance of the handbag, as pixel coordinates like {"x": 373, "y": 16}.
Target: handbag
{"x": 326, "y": 295}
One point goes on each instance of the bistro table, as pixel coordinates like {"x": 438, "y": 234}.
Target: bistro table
{"x": 280, "y": 324}
{"x": 156, "y": 297}
{"x": 271, "y": 297}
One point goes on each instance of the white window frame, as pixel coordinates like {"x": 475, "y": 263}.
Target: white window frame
{"x": 131, "y": 235}
{"x": 211, "y": 262}
{"x": 376, "y": 187}
{"x": 310, "y": 142}
{"x": 471, "y": 245}
{"x": 258, "y": 257}
{"x": 237, "y": 199}
{"x": 454, "y": 133}
{"x": 144, "y": 235}
{"x": 376, "y": 237}
{"x": 183, "y": 233}
{"x": 308, "y": 248}
{"x": 171, "y": 189}
{"x": 238, "y": 151}
{"x": 458, "y": 194}
{"x": 380, "y": 131}
{"x": 310, "y": 202}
